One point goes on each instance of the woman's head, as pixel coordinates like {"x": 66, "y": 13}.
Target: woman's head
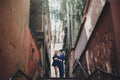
{"x": 56, "y": 52}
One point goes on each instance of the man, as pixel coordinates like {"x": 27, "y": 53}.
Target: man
{"x": 61, "y": 65}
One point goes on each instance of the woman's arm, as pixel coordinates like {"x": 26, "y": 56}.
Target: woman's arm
{"x": 57, "y": 59}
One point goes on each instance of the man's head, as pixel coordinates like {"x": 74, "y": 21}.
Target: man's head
{"x": 60, "y": 50}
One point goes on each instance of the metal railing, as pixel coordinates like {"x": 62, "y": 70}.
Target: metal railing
{"x": 79, "y": 71}
{"x": 100, "y": 74}
{"x": 19, "y": 74}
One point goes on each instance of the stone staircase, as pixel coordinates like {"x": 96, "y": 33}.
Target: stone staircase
{"x": 57, "y": 79}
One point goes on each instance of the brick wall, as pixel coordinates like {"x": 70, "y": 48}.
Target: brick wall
{"x": 115, "y": 8}
{"x": 101, "y": 48}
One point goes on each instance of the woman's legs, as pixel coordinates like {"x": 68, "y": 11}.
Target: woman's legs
{"x": 56, "y": 71}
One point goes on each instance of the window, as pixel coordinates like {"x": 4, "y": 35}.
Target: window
{"x": 32, "y": 54}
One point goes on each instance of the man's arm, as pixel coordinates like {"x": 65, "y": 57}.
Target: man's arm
{"x": 57, "y": 59}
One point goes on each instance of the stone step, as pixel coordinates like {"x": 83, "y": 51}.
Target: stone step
{"x": 58, "y": 79}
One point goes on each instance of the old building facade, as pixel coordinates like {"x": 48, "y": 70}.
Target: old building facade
{"x": 97, "y": 45}
{"x": 41, "y": 20}
{"x": 24, "y": 39}
{"x": 17, "y": 46}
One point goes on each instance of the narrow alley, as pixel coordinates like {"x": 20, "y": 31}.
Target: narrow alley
{"x": 59, "y": 40}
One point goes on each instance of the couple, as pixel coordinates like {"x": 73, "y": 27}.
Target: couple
{"x": 58, "y": 59}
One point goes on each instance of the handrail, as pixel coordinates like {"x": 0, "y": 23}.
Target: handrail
{"x": 110, "y": 74}
{"x": 100, "y": 71}
{"x": 80, "y": 70}
{"x": 34, "y": 69}
{"x": 19, "y": 73}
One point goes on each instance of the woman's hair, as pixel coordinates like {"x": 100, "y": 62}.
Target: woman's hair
{"x": 56, "y": 52}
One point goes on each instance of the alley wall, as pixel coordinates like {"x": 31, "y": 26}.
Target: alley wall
{"x": 15, "y": 38}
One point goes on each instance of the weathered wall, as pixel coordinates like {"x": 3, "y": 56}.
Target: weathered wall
{"x": 80, "y": 44}
{"x": 101, "y": 48}
{"x": 71, "y": 62}
{"x": 14, "y": 36}
{"x": 91, "y": 17}
{"x": 47, "y": 43}
{"x": 33, "y": 55}
{"x": 36, "y": 14}
{"x": 115, "y": 8}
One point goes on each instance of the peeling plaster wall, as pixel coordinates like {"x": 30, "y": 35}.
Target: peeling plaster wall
{"x": 14, "y": 36}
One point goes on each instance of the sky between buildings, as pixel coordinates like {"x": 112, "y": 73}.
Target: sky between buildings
{"x": 54, "y": 5}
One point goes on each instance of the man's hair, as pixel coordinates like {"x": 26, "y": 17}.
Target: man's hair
{"x": 61, "y": 50}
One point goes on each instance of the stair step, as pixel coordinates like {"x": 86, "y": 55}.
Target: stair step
{"x": 58, "y": 79}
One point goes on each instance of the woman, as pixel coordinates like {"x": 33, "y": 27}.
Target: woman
{"x": 56, "y": 60}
